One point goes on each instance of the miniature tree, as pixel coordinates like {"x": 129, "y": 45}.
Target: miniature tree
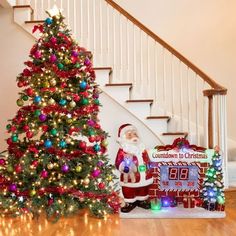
{"x": 56, "y": 151}
{"x": 212, "y": 192}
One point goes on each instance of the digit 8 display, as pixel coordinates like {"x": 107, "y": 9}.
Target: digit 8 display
{"x": 183, "y": 174}
{"x": 173, "y": 173}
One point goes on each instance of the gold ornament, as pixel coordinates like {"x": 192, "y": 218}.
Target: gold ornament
{"x": 67, "y": 61}
{"x": 78, "y": 168}
{"x": 69, "y": 121}
{"x": 46, "y": 84}
{"x": 53, "y": 82}
{"x": 50, "y": 166}
{"x": 32, "y": 192}
{"x": 86, "y": 181}
{"x": 72, "y": 104}
{"x": 51, "y": 101}
{"x": 109, "y": 178}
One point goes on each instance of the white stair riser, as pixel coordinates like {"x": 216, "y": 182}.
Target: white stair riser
{"x": 140, "y": 109}
{"x": 21, "y": 15}
{"x": 120, "y": 93}
{"x": 102, "y": 77}
{"x": 158, "y": 126}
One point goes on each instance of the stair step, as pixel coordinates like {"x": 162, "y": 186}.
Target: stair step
{"x": 158, "y": 117}
{"x": 34, "y": 21}
{"x": 103, "y": 68}
{"x": 140, "y": 100}
{"x": 114, "y": 85}
{"x": 185, "y": 134}
{"x": 24, "y": 6}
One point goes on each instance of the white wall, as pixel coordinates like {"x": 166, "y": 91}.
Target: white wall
{"x": 15, "y": 45}
{"x": 203, "y": 31}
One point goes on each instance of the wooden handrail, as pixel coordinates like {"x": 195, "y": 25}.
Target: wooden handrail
{"x": 183, "y": 59}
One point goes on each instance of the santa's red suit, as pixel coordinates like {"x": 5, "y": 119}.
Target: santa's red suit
{"x": 137, "y": 190}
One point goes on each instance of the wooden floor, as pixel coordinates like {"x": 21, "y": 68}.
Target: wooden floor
{"x": 83, "y": 225}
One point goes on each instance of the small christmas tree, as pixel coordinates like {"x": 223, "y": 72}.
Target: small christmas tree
{"x": 213, "y": 187}
{"x": 56, "y": 153}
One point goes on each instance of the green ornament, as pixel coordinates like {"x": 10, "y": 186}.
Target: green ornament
{"x": 10, "y": 169}
{"x": 84, "y": 101}
{"x": 8, "y": 126}
{"x": 53, "y": 132}
{"x": 77, "y": 65}
{"x": 25, "y": 98}
{"x": 32, "y": 192}
{"x": 60, "y": 66}
{"x": 37, "y": 112}
{"x": 96, "y": 101}
{"x": 20, "y": 102}
{"x": 78, "y": 168}
{"x": 220, "y": 200}
{"x": 14, "y": 138}
{"x": 91, "y": 132}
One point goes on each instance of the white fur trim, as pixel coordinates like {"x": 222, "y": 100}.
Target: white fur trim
{"x": 141, "y": 183}
{"x": 121, "y": 167}
{"x": 127, "y": 128}
{"x": 138, "y": 198}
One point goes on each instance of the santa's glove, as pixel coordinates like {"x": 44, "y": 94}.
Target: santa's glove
{"x": 126, "y": 169}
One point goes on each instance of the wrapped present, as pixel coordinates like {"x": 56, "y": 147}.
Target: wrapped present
{"x": 189, "y": 201}
{"x": 210, "y": 206}
{"x": 199, "y": 202}
{"x": 220, "y": 207}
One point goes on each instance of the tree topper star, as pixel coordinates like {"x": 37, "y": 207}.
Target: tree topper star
{"x": 54, "y": 11}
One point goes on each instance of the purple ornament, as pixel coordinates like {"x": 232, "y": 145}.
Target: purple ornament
{"x": 87, "y": 62}
{"x": 2, "y": 162}
{"x": 96, "y": 173}
{"x": 100, "y": 163}
{"x": 53, "y": 39}
{"x": 91, "y": 122}
{"x": 96, "y": 96}
{"x": 37, "y": 54}
{"x": 75, "y": 53}
{"x": 12, "y": 187}
{"x": 53, "y": 58}
{"x": 42, "y": 117}
{"x": 44, "y": 174}
{"x": 65, "y": 168}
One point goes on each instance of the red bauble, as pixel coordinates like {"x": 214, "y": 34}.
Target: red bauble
{"x": 97, "y": 138}
{"x": 9, "y": 141}
{"x": 20, "y": 84}
{"x": 92, "y": 139}
{"x": 26, "y": 128}
{"x": 29, "y": 92}
{"x": 44, "y": 128}
{"x": 101, "y": 185}
{"x": 18, "y": 168}
{"x": 76, "y": 97}
{"x": 82, "y": 145}
{"x": 63, "y": 84}
{"x": 50, "y": 201}
{"x": 29, "y": 134}
{"x": 26, "y": 72}
{"x": 35, "y": 163}
{"x": 97, "y": 126}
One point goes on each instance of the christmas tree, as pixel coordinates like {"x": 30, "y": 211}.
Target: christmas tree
{"x": 213, "y": 187}
{"x": 56, "y": 159}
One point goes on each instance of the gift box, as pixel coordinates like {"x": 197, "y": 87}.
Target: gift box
{"x": 210, "y": 206}
{"x": 220, "y": 207}
{"x": 189, "y": 201}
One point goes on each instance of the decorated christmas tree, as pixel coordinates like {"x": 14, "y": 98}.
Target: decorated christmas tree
{"x": 56, "y": 159}
{"x": 213, "y": 187}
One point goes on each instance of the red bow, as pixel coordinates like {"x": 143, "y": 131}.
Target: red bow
{"x": 38, "y": 27}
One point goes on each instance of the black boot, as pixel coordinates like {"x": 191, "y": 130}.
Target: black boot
{"x": 128, "y": 207}
{"x": 144, "y": 204}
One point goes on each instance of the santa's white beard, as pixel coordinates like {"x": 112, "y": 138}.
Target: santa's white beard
{"x": 134, "y": 148}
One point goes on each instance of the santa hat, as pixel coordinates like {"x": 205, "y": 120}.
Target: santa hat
{"x": 124, "y": 128}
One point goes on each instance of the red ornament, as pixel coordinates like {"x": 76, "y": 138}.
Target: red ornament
{"x": 29, "y": 92}
{"x": 101, "y": 185}
{"x": 9, "y": 141}
{"x": 26, "y": 72}
{"x": 20, "y": 84}
{"x": 44, "y": 128}
{"x": 35, "y": 163}
{"x": 29, "y": 134}
{"x": 76, "y": 97}
{"x": 18, "y": 168}
{"x": 50, "y": 201}
{"x": 63, "y": 84}
{"x": 92, "y": 139}
{"x": 26, "y": 128}
{"x": 97, "y": 126}
{"x": 44, "y": 174}
{"x": 82, "y": 145}
{"x": 97, "y": 138}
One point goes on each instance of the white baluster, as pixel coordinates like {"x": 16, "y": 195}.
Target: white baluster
{"x": 196, "y": 109}
{"x": 121, "y": 45}
{"x": 127, "y": 49}
{"x": 114, "y": 43}
{"x": 156, "y": 71}
{"x": 148, "y": 69}
{"x": 172, "y": 85}
{"x": 81, "y": 23}
{"x": 164, "y": 79}
{"x": 141, "y": 61}
{"x": 75, "y": 18}
{"x": 134, "y": 56}
{"x": 188, "y": 99}
{"x": 101, "y": 29}
{"x": 181, "y": 95}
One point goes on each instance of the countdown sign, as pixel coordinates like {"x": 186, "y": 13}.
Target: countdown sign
{"x": 173, "y": 177}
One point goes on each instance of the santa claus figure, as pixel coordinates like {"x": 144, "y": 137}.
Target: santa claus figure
{"x": 132, "y": 161}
